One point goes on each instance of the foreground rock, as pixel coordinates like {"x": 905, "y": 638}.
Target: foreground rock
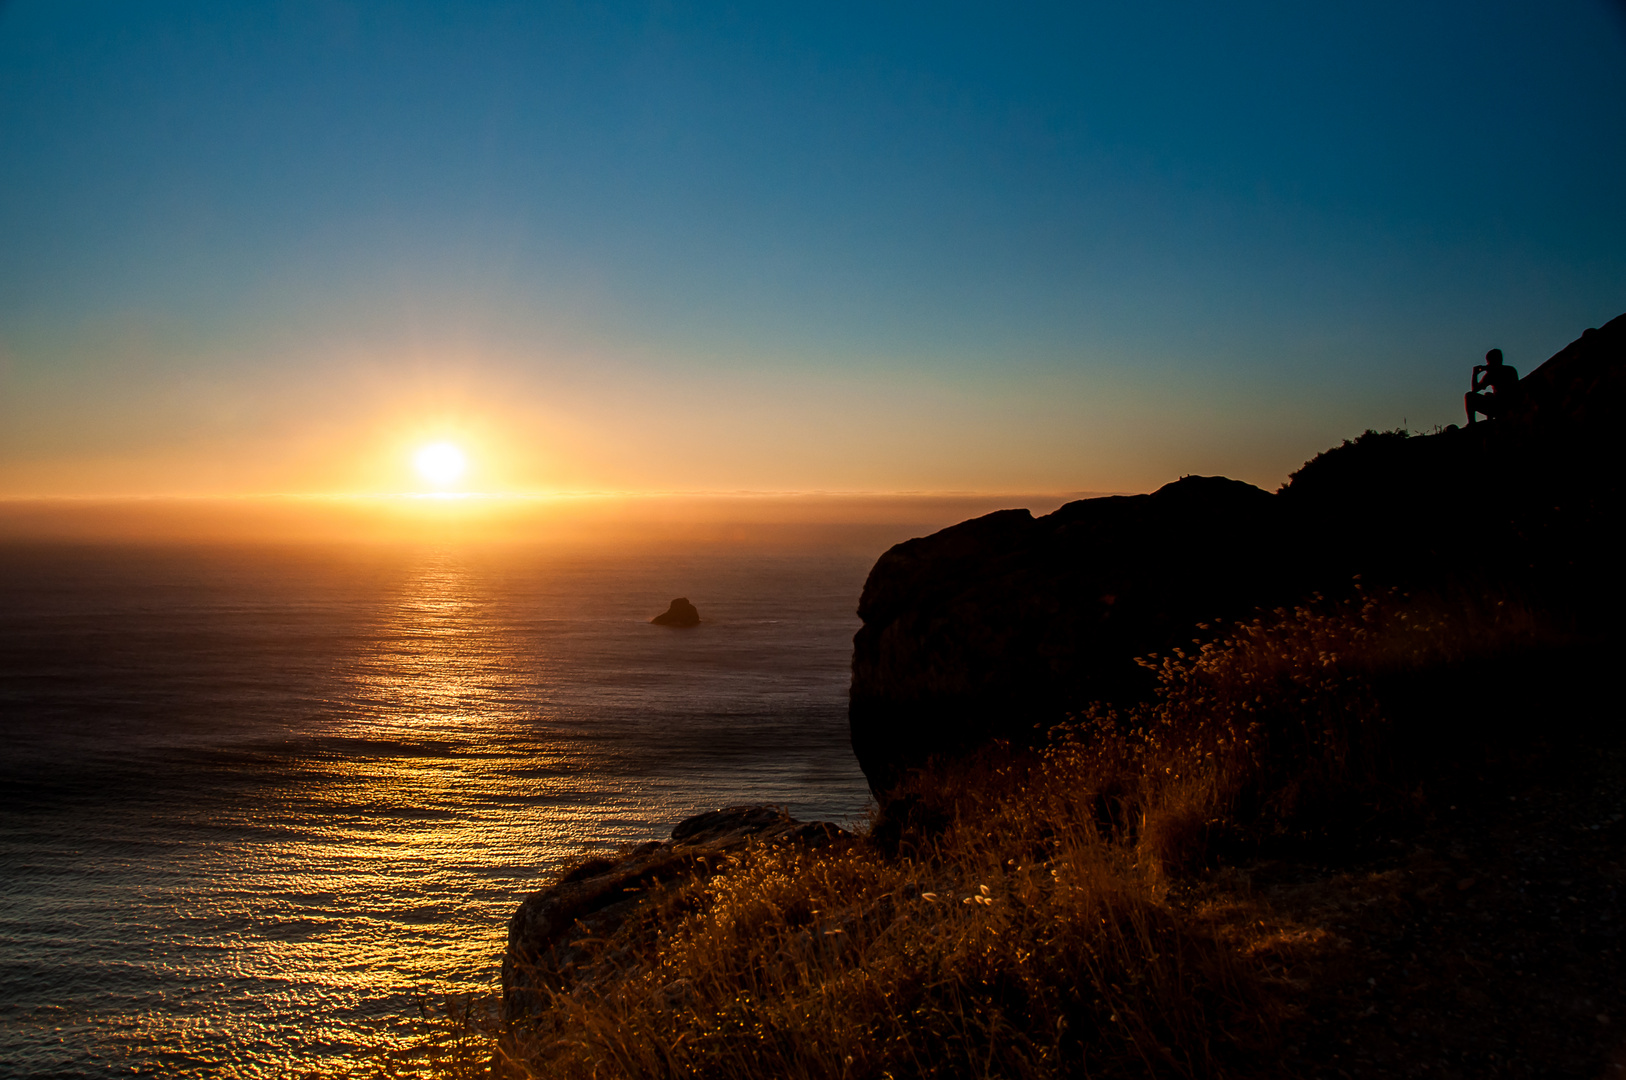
{"x": 596, "y": 897}
{"x": 680, "y": 613}
{"x": 997, "y": 627}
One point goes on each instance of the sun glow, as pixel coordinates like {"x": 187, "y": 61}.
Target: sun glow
{"x": 440, "y": 463}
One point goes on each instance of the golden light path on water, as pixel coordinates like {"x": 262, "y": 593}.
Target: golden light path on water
{"x": 350, "y": 909}
{"x": 279, "y": 906}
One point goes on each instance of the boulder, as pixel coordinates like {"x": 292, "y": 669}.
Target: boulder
{"x": 548, "y": 936}
{"x": 680, "y": 613}
{"x": 997, "y": 627}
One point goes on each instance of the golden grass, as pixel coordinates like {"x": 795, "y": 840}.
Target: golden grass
{"x": 1014, "y": 947}
{"x": 1019, "y": 922}
{"x": 1278, "y": 726}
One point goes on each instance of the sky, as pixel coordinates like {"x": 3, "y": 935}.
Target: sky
{"x": 276, "y": 248}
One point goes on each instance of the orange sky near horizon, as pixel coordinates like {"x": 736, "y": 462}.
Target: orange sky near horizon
{"x": 352, "y": 424}
{"x": 621, "y": 520}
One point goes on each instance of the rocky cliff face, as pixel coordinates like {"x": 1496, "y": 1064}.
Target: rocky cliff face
{"x": 996, "y": 627}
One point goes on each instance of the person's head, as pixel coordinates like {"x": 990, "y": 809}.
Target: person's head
{"x": 1494, "y": 358}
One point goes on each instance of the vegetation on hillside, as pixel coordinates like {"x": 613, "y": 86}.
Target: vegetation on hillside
{"x": 1023, "y": 915}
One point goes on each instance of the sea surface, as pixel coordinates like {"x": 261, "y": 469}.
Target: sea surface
{"x": 258, "y": 804}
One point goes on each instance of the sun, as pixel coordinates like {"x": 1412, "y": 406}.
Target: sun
{"x": 440, "y": 463}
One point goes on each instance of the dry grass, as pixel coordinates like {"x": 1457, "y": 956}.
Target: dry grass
{"x": 1017, "y": 947}
{"x": 1010, "y": 916}
{"x": 1277, "y": 728}
{"x": 1021, "y": 943}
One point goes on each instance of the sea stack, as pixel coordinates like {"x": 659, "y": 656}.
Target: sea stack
{"x": 681, "y": 613}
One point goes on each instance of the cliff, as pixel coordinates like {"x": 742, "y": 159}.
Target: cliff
{"x": 997, "y": 627}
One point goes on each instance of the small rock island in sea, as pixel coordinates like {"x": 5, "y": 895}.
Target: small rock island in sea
{"x": 680, "y": 613}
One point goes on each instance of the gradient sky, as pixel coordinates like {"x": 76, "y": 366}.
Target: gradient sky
{"x": 273, "y": 247}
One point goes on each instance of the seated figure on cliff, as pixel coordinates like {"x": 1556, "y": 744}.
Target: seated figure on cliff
{"x": 1494, "y": 386}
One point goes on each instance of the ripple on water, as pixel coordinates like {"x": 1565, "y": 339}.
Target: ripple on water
{"x": 259, "y": 802}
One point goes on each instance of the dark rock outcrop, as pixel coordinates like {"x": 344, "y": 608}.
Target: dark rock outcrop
{"x": 997, "y": 627}
{"x": 680, "y": 613}
{"x": 998, "y": 624}
{"x": 589, "y": 902}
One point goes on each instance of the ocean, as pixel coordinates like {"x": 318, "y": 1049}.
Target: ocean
{"x": 258, "y": 803}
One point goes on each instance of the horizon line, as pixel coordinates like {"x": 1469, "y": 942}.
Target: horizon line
{"x": 595, "y": 493}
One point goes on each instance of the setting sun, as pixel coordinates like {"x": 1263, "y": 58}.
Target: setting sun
{"x": 440, "y": 463}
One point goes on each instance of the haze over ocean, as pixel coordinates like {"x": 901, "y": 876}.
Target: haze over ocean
{"x": 255, "y": 800}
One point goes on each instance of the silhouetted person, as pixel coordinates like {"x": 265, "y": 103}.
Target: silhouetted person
{"x": 1500, "y": 379}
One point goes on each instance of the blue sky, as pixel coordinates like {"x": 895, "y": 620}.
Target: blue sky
{"x": 268, "y": 247}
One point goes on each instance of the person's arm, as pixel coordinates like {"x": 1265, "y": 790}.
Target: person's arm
{"x": 1478, "y": 381}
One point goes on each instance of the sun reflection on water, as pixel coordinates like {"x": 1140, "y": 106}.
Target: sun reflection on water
{"x": 361, "y": 897}
{"x": 372, "y": 774}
